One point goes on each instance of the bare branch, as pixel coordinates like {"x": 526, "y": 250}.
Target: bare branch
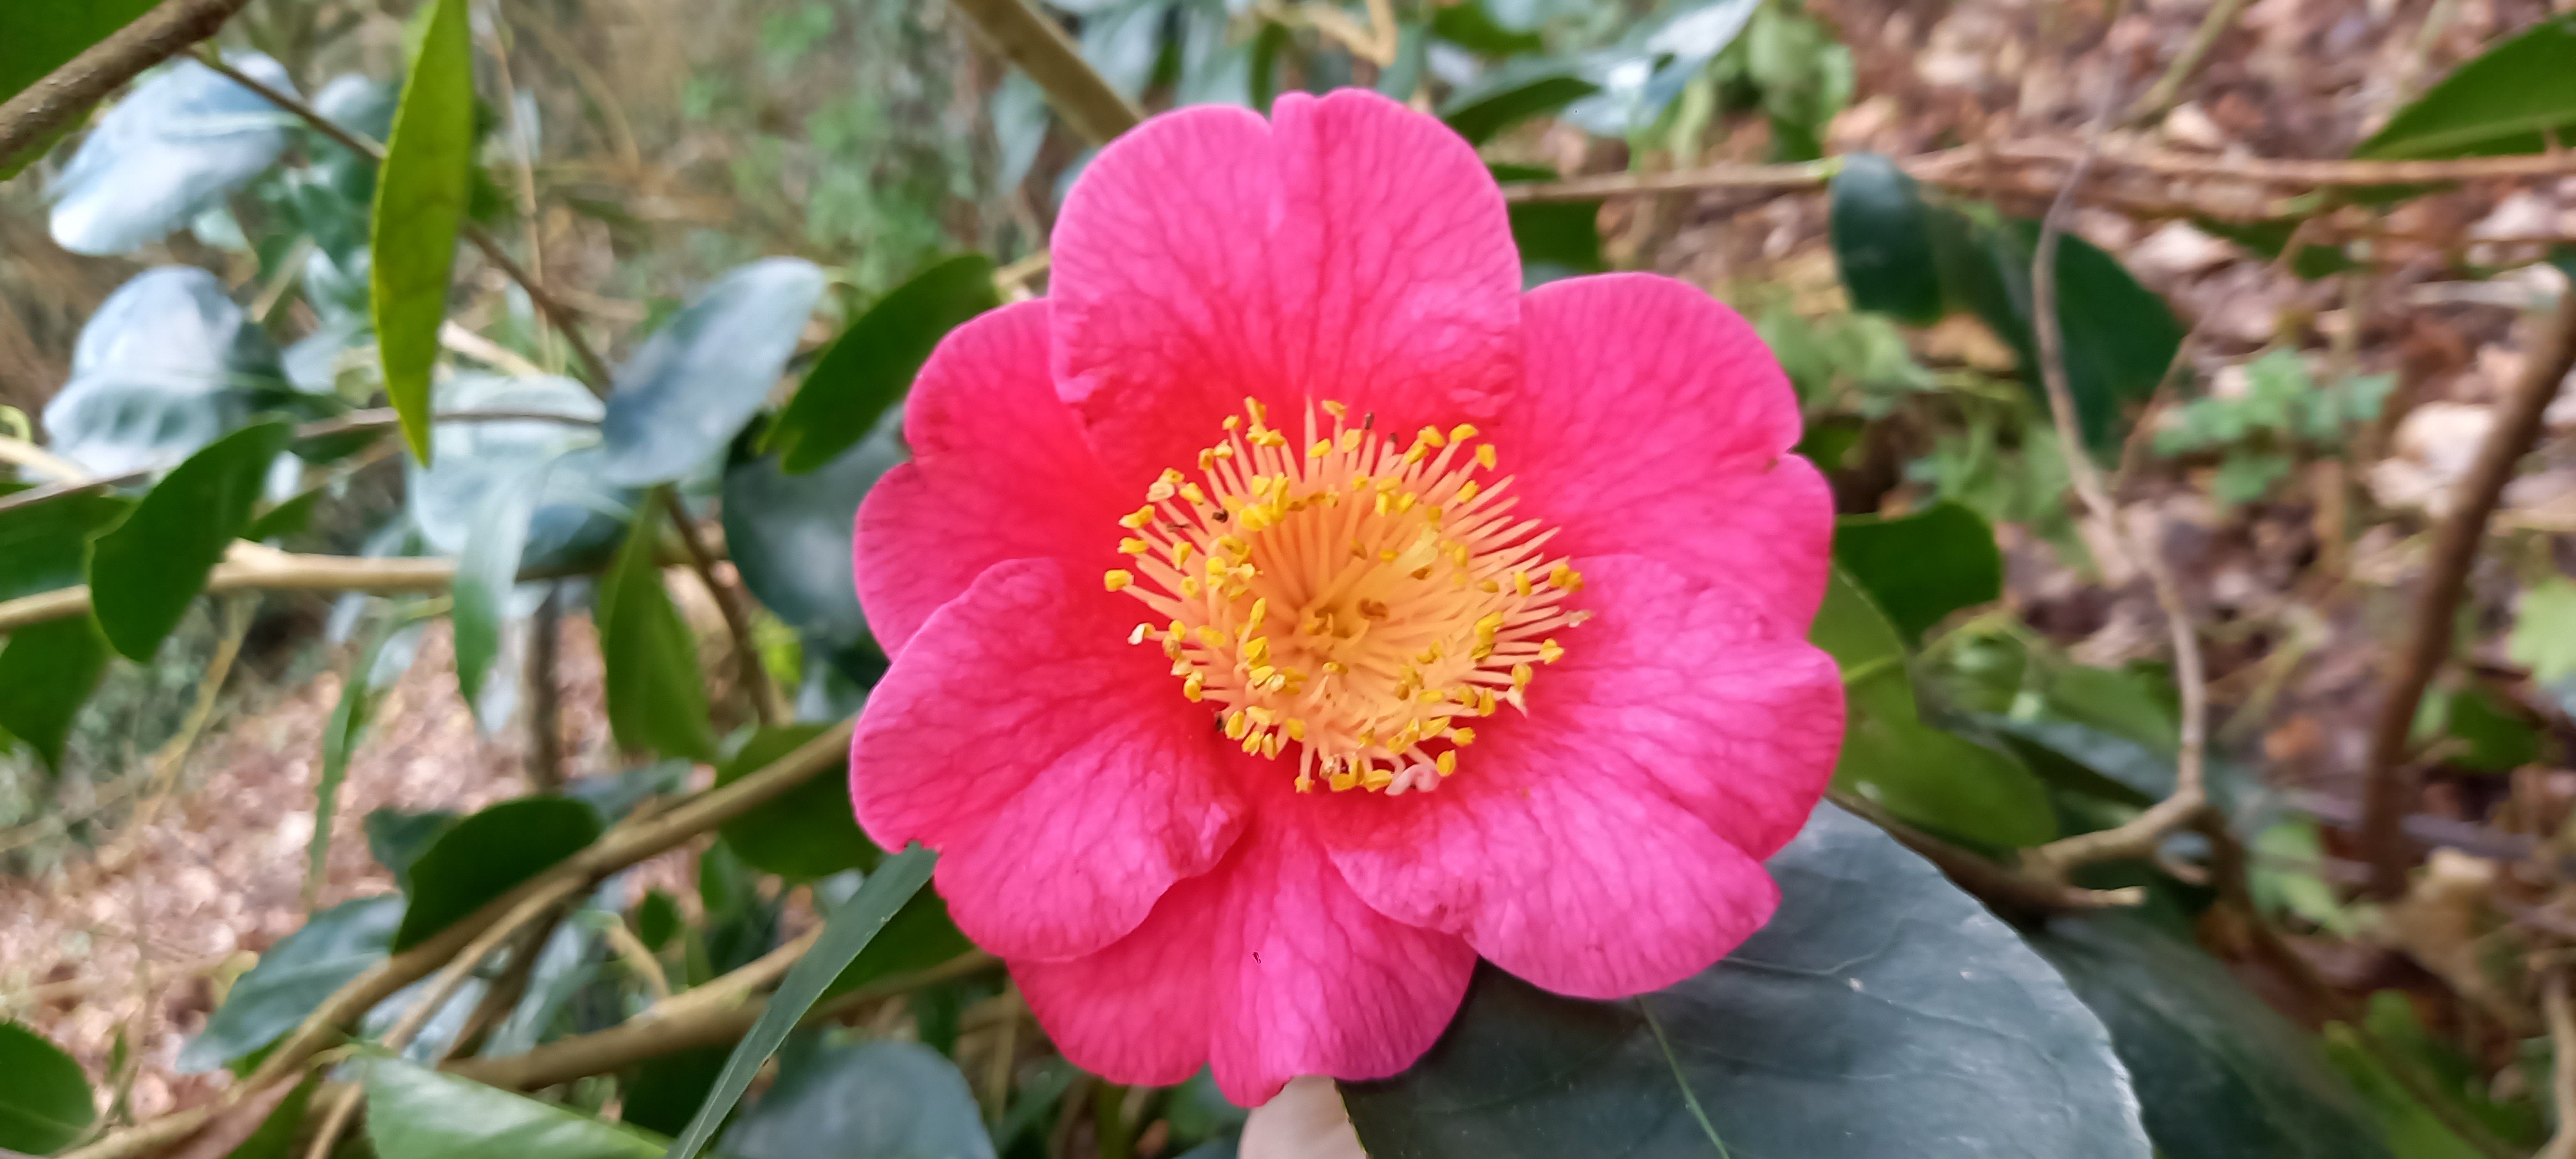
{"x": 754, "y": 677}
{"x": 2455, "y": 549}
{"x": 1027, "y": 38}
{"x": 30, "y": 118}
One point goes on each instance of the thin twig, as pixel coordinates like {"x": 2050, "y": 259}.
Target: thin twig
{"x": 754, "y": 676}
{"x": 1029, "y": 39}
{"x": 545, "y": 696}
{"x": 1998, "y": 886}
{"x": 2455, "y": 549}
{"x": 23, "y": 454}
{"x": 2562, "y": 1079}
{"x": 2161, "y": 97}
{"x": 2141, "y": 834}
{"x": 45, "y": 107}
{"x": 565, "y": 322}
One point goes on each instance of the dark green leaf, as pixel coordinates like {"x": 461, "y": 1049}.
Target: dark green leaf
{"x": 862, "y": 1100}
{"x": 656, "y": 700}
{"x": 808, "y": 831}
{"x": 143, "y": 574}
{"x": 701, "y": 376}
{"x": 1857, "y": 635}
{"x": 47, "y": 671}
{"x": 1470, "y": 27}
{"x": 489, "y": 854}
{"x": 920, "y": 936}
{"x": 1514, "y": 93}
{"x": 45, "y": 1103}
{"x": 36, "y": 39}
{"x": 1882, "y": 240}
{"x": 420, "y": 200}
{"x": 1945, "y": 782}
{"x": 1881, "y": 1013}
{"x": 396, "y": 839}
{"x": 667, "y": 1090}
{"x": 2510, "y": 99}
{"x": 292, "y": 978}
{"x": 2070, "y": 752}
{"x": 416, "y": 1113}
{"x": 45, "y": 546}
{"x": 169, "y": 151}
{"x": 789, "y": 535}
{"x": 869, "y": 367}
{"x": 488, "y": 572}
{"x": 1403, "y": 78}
{"x": 166, "y": 365}
{"x": 288, "y": 518}
{"x": 846, "y": 931}
{"x": 1919, "y": 568}
{"x": 275, "y": 1136}
{"x": 2485, "y": 735}
{"x": 657, "y": 920}
{"x": 2220, "y": 1074}
{"x": 1556, "y": 239}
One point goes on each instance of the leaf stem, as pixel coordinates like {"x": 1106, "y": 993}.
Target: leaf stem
{"x": 1690, "y": 1098}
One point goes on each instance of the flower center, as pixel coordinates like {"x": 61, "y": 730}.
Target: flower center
{"x": 1353, "y": 597}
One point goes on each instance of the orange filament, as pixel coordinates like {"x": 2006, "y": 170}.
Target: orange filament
{"x": 1360, "y": 600}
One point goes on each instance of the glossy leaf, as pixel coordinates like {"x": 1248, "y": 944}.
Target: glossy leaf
{"x": 920, "y": 936}
{"x": 656, "y": 698}
{"x": 1640, "y": 78}
{"x": 417, "y": 1113}
{"x": 866, "y": 370}
{"x": 488, "y": 572}
{"x": 2120, "y": 336}
{"x": 789, "y": 535}
{"x": 1882, "y": 239}
{"x": 45, "y": 1104}
{"x": 45, "y": 546}
{"x": 489, "y": 854}
{"x": 1919, "y": 568}
{"x": 143, "y": 574}
{"x": 1469, "y": 26}
{"x": 862, "y": 1100}
{"x": 1513, "y": 93}
{"x": 1881, "y": 1013}
{"x": 846, "y": 931}
{"x": 170, "y": 150}
{"x": 2220, "y": 1073}
{"x": 292, "y": 979}
{"x": 1865, "y": 646}
{"x": 699, "y": 378}
{"x": 2510, "y": 99}
{"x": 1556, "y": 239}
{"x": 47, "y": 671}
{"x": 574, "y": 512}
{"x": 36, "y": 39}
{"x": 396, "y": 839}
{"x": 421, "y": 192}
{"x": 168, "y": 364}
{"x": 806, "y": 833}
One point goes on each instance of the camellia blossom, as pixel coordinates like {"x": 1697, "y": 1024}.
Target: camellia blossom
{"x": 1288, "y": 610}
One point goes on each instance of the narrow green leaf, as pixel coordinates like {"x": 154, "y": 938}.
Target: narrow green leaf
{"x": 1513, "y": 93}
{"x": 45, "y": 546}
{"x": 420, "y": 199}
{"x": 348, "y": 724}
{"x": 869, "y": 367}
{"x": 1470, "y": 26}
{"x": 2507, "y": 100}
{"x": 45, "y": 1102}
{"x": 417, "y": 1113}
{"x": 1924, "y": 566}
{"x": 1881, "y": 231}
{"x": 846, "y": 931}
{"x": 47, "y": 671}
{"x": 143, "y": 574}
{"x": 288, "y": 518}
{"x": 487, "y": 571}
{"x": 656, "y": 699}
{"x": 921, "y": 936}
{"x": 808, "y": 832}
{"x": 293, "y": 978}
{"x": 489, "y": 854}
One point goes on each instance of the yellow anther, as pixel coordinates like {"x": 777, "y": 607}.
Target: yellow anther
{"x": 1133, "y": 546}
{"x": 1485, "y": 702}
{"x": 1252, "y": 406}
{"x": 1296, "y": 727}
{"x": 1468, "y": 490}
{"x": 1194, "y": 688}
{"x": 1489, "y": 587}
{"x": 1138, "y": 636}
{"x": 1261, "y": 674}
{"x": 1485, "y": 455}
{"x": 1432, "y": 436}
{"x": 1335, "y": 409}
{"x": 1351, "y": 440}
{"x": 1335, "y": 667}
{"x": 1521, "y": 582}
{"x": 1137, "y": 518}
{"x": 1235, "y": 724}
{"x": 1189, "y": 587}
{"x": 1427, "y": 696}
{"x": 1343, "y": 781}
{"x": 1321, "y": 448}
{"x": 1521, "y": 674}
{"x": 1378, "y": 778}
{"x": 1549, "y": 651}
{"x": 1446, "y": 762}
{"x": 1232, "y": 423}
{"x": 1269, "y": 439}
{"x": 1207, "y": 459}
{"x": 1489, "y": 623}
{"x": 1158, "y": 492}
{"x": 1565, "y": 577}
{"x": 1117, "y": 580}
{"x": 1211, "y": 637}
{"x": 1462, "y": 737}
{"x": 1260, "y": 611}
{"x": 1462, "y": 432}
{"x": 1181, "y": 552}
{"x": 1386, "y": 505}
{"x": 1191, "y": 492}
{"x": 1222, "y": 450}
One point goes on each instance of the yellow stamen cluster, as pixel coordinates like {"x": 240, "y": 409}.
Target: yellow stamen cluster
{"x": 1357, "y": 595}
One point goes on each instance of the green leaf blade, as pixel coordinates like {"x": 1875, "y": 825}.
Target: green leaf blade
{"x": 421, "y": 192}
{"x": 2507, "y": 100}
{"x": 143, "y": 574}
{"x": 416, "y": 1113}
{"x": 1881, "y": 234}
{"x": 47, "y": 671}
{"x": 45, "y": 1104}
{"x": 868, "y": 368}
{"x": 656, "y": 699}
{"x": 487, "y": 855}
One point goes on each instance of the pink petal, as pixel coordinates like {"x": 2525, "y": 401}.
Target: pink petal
{"x": 1268, "y": 966}
{"x": 1608, "y": 843}
{"x": 1351, "y": 249}
{"x": 1055, "y": 767}
{"x": 1655, "y": 422}
{"x": 999, "y": 471}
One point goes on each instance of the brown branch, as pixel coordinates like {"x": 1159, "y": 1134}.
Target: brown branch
{"x": 1027, "y": 38}
{"x": 2139, "y": 836}
{"x": 545, "y": 695}
{"x": 2455, "y": 549}
{"x": 1999, "y": 886}
{"x": 596, "y": 374}
{"x": 753, "y": 675}
{"x": 33, "y": 116}
{"x": 2562, "y": 1080}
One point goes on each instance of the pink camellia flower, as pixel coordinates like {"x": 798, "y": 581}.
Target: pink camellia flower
{"x": 1288, "y": 610}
